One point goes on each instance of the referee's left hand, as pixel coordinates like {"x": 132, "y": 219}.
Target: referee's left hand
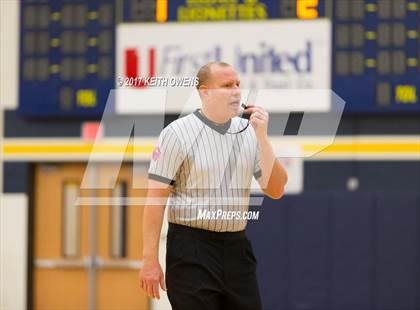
{"x": 259, "y": 120}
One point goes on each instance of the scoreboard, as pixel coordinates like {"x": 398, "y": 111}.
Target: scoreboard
{"x": 376, "y": 55}
{"x": 67, "y": 48}
{"x": 66, "y": 57}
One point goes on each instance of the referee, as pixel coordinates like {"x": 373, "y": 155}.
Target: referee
{"x": 202, "y": 168}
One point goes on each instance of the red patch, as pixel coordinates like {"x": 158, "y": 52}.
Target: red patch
{"x": 156, "y": 153}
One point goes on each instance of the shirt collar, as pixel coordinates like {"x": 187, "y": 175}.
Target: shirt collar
{"x": 220, "y": 128}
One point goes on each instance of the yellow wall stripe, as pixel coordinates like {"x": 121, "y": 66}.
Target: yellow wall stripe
{"x": 349, "y": 147}
{"x": 85, "y": 149}
{"x": 367, "y": 148}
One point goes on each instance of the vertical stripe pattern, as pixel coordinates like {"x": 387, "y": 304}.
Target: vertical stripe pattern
{"x": 210, "y": 170}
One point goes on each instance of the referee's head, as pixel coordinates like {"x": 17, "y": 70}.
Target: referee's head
{"x": 218, "y": 86}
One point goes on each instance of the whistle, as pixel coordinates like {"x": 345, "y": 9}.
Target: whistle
{"x": 245, "y": 115}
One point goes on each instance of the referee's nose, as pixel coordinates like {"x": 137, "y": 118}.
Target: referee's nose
{"x": 236, "y": 92}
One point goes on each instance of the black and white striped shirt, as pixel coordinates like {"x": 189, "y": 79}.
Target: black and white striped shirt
{"x": 209, "y": 170}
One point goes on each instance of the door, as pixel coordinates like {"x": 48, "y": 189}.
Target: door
{"x": 87, "y": 254}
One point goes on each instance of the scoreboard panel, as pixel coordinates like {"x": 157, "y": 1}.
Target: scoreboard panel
{"x": 67, "y": 54}
{"x": 376, "y": 59}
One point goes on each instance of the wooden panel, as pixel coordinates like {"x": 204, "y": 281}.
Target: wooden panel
{"x": 57, "y": 289}
{"x": 119, "y": 290}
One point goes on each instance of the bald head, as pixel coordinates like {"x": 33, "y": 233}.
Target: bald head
{"x": 204, "y": 75}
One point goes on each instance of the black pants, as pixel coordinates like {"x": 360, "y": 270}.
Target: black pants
{"x": 210, "y": 270}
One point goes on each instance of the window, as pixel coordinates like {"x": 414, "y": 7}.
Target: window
{"x": 71, "y": 220}
{"x": 118, "y": 220}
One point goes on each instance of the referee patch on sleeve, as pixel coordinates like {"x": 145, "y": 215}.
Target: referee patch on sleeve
{"x": 156, "y": 153}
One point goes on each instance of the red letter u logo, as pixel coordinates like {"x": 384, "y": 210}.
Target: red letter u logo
{"x": 132, "y": 61}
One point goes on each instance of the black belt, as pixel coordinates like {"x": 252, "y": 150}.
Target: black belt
{"x": 205, "y": 234}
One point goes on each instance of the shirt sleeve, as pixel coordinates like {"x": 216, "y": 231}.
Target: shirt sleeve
{"x": 167, "y": 157}
{"x": 257, "y": 164}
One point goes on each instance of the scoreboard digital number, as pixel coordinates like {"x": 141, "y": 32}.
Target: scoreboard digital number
{"x": 67, "y": 54}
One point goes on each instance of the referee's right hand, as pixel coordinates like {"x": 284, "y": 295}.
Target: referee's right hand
{"x": 150, "y": 276}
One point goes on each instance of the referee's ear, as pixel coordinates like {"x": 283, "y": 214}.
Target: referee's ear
{"x": 203, "y": 91}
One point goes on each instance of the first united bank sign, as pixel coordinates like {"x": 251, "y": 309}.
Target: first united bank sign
{"x": 266, "y": 54}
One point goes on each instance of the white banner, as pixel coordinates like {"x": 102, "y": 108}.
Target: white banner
{"x": 276, "y": 54}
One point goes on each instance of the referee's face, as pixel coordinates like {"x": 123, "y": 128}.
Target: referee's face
{"x": 225, "y": 95}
